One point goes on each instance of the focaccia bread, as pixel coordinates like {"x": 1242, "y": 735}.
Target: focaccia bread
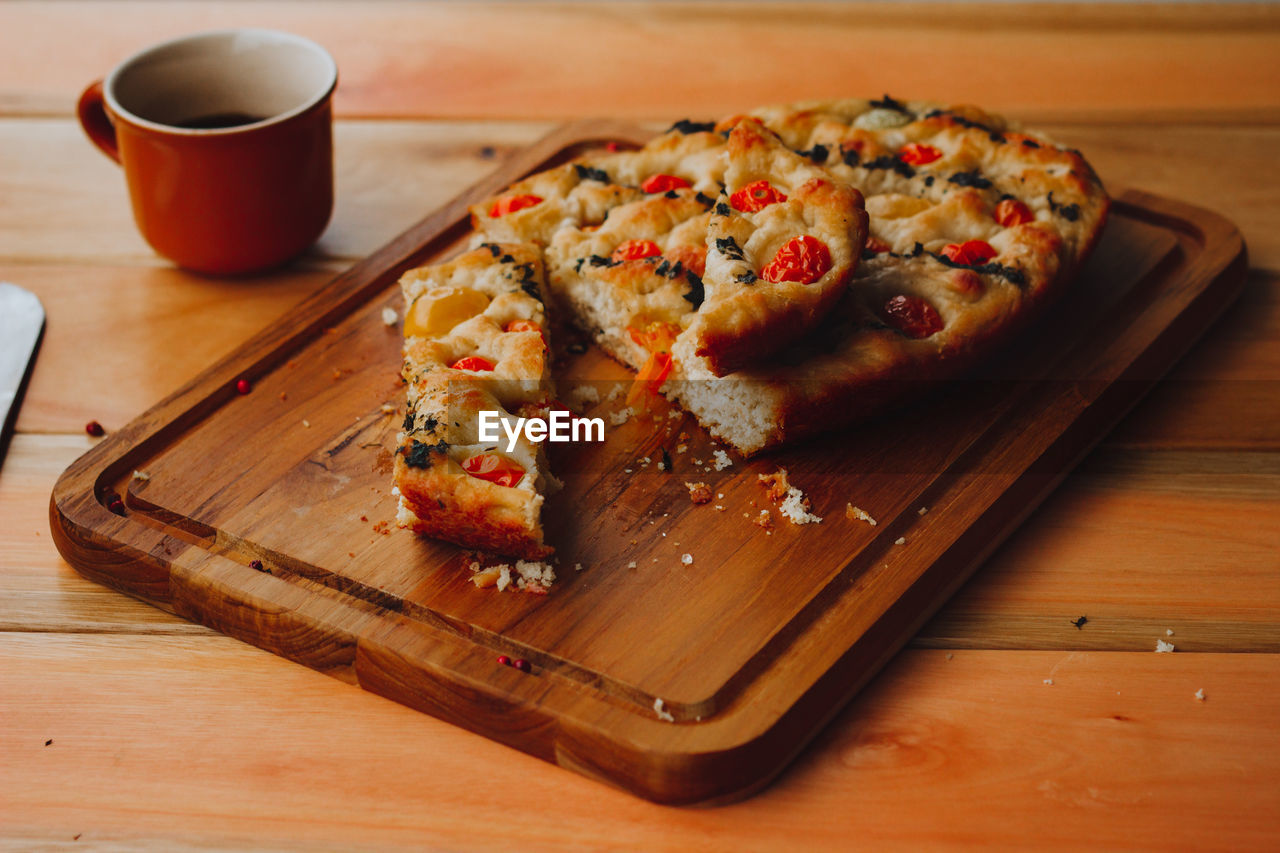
{"x": 475, "y": 340}
{"x": 974, "y": 227}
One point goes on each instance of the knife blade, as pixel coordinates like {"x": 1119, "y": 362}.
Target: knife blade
{"x": 21, "y": 328}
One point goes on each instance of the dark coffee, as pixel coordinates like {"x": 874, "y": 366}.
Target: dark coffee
{"x": 218, "y": 120}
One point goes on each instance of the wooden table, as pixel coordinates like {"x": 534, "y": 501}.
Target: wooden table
{"x": 124, "y": 725}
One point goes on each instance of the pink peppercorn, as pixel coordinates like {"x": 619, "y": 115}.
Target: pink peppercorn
{"x": 243, "y": 387}
{"x": 504, "y": 660}
{"x": 522, "y": 665}
{"x": 94, "y": 429}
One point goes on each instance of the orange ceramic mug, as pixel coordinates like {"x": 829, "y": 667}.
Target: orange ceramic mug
{"x": 226, "y": 142}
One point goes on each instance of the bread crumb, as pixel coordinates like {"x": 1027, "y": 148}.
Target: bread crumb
{"x": 950, "y": 655}
{"x": 901, "y": 540}
{"x": 386, "y": 408}
{"x": 583, "y": 394}
{"x": 306, "y": 423}
{"x": 631, "y": 565}
{"x": 775, "y": 484}
{"x": 141, "y": 476}
{"x": 719, "y": 508}
{"x": 922, "y": 510}
{"x": 722, "y": 460}
{"x": 577, "y": 567}
{"x": 699, "y": 493}
{"x": 614, "y": 394}
{"x": 764, "y": 520}
{"x": 1162, "y": 646}
{"x": 389, "y": 316}
{"x": 486, "y": 577}
{"x": 681, "y": 448}
{"x": 1168, "y": 632}
{"x": 858, "y": 514}
{"x": 1200, "y": 694}
{"x": 621, "y": 416}
{"x": 660, "y": 708}
{"x": 1049, "y": 681}
{"x": 687, "y": 559}
{"x": 719, "y": 496}
{"x": 674, "y": 415}
{"x": 794, "y": 505}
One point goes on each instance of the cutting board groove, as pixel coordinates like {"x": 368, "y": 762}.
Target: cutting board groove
{"x": 751, "y": 648}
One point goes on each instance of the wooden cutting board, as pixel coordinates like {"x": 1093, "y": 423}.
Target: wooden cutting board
{"x": 751, "y": 648}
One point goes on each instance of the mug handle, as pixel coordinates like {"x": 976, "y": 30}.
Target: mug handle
{"x": 92, "y": 113}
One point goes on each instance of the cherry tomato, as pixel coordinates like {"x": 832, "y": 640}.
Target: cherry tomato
{"x": 916, "y": 154}
{"x": 526, "y": 326}
{"x": 804, "y": 259}
{"x": 651, "y": 376}
{"x": 1011, "y": 212}
{"x": 912, "y": 316}
{"x": 512, "y": 203}
{"x": 971, "y": 253}
{"x": 495, "y": 468}
{"x": 633, "y": 250}
{"x": 472, "y": 362}
{"x": 655, "y": 337}
{"x": 756, "y": 195}
{"x": 664, "y": 183}
{"x": 875, "y": 244}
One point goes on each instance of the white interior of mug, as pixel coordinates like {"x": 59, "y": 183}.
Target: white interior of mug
{"x": 241, "y": 77}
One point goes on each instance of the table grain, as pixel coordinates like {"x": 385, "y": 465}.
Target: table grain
{"x": 127, "y": 728}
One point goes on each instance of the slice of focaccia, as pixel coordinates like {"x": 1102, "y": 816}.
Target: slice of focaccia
{"x": 475, "y": 340}
{"x": 781, "y": 244}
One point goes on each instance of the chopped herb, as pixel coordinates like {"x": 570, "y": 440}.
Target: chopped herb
{"x": 671, "y": 194}
{"x": 586, "y": 173}
{"x": 577, "y": 267}
{"x": 747, "y": 277}
{"x": 487, "y": 151}
{"x": 704, "y": 199}
{"x": 969, "y": 179}
{"x": 696, "y": 293}
{"x": 1079, "y": 623}
{"x": 892, "y": 162}
{"x": 506, "y": 259}
{"x": 817, "y": 154}
{"x": 1069, "y": 212}
{"x": 729, "y": 248}
{"x": 599, "y": 261}
{"x": 995, "y": 137}
{"x": 419, "y": 455}
{"x": 888, "y": 103}
{"x": 684, "y": 125}
{"x": 576, "y": 348}
{"x": 1030, "y": 143}
{"x": 1011, "y": 274}
{"x": 531, "y": 287}
{"x": 722, "y": 209}
{"x": 666, "y": 460}
{"x": 408, "y": 422}
{"x": 257, "y": 566}
{"x": 928, "y": 181}
{"x": 663, "y": 268}
{"x": 851, "y": 157}
{"x": 494, "y": 248}
{"x": 867, "y": 254}
{"x": 429, "y": 425}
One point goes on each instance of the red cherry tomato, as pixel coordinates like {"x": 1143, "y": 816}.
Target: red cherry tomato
{"x": 1011, "y": 212}
{"x": 512, "y": 203}
{"x": 634, "y": 250}
{"x": 971, "y": 253}
{"x": 526, "y": 326}
{"x": 655, "y": 337}
{"x": 875, "y": 244}
{"x": 917, "y": 154}
{"x": 912, "y": 316}
{"x": 650, "y": 378}
{"x": 804, "y": 259}
{"x": 495, "y": 468}
{"x": 472, "y": 362}
{"x": 664, "y": 183}
{"x": 756, "y": 195}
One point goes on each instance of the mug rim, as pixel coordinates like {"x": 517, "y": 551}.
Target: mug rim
{"x": 108, "y": 86}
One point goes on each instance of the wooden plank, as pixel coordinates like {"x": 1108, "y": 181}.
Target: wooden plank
{"x": 204, "y": 742}
{"x": 421, "y": 60}
{"x": 1215, "y": 598}
{"x": 69, "y": 203}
